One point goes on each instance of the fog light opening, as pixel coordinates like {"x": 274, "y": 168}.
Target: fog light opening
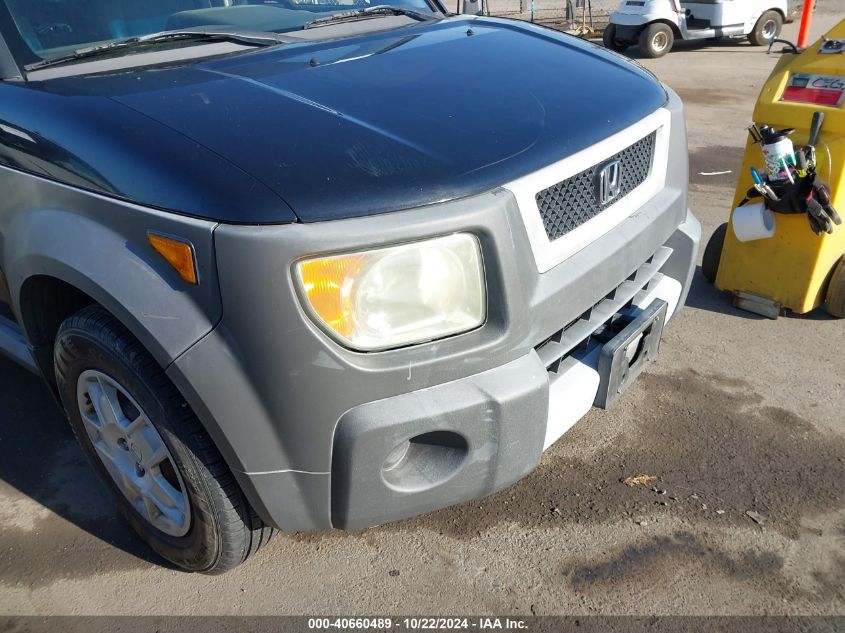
{"x": 425, "y": 461}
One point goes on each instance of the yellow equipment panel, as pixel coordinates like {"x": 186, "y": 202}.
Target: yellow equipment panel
{"x": 792, "y": 267}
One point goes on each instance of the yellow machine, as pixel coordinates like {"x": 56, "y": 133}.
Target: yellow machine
{"x": 794, "y": 268}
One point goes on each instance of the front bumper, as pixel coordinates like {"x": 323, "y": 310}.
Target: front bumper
{"x": 470, "y": 437}
{"x": 306, "y": 425}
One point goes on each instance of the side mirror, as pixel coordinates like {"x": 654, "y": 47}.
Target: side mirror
{"x": 472, "y": 7}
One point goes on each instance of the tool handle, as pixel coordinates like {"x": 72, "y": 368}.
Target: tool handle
{"x": 815, "y": 127}
{"x": 755, "y": 134}
{"x": 802, "y": 160}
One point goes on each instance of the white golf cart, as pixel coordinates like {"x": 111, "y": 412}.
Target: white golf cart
{"x": 656, "y": 24}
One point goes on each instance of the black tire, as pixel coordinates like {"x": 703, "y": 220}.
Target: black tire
{"x": 835, "y": 302}
{"x": 769, "y": 25}
{"x": 610, "y": 40}
{"x": 656, "y": 40}
{"x": 223, "y": 530}
{"x": 713, "y": 253}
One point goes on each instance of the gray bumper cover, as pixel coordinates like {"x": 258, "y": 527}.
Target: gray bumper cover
{"x": 500, "y": 414}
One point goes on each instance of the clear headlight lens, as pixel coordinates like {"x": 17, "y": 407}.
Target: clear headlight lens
{"x": 401, "y": 295}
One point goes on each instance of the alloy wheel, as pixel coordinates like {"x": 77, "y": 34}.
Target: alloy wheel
{"x": 133, "y": 452}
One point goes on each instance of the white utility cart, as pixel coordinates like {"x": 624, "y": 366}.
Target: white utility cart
{"x": 656, "y": 24}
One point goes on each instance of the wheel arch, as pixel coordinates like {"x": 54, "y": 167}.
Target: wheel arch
{"x": 777, "y": 10}
{"x": 46, "y": 298}
{"x": 755, "y": 19}
{"x": 44, "y": 302}
{"x": 634, "y": 30}
{"x": 676, "y": 31}
{"x": 56, "y": 259}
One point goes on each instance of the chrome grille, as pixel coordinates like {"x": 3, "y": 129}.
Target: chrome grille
{"x": 571, "y": 202}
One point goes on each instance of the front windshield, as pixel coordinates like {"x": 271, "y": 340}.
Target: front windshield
{"x": 54, "y": 28}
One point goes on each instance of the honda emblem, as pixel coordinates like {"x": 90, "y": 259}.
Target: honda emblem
{"x": 610, "y": 182}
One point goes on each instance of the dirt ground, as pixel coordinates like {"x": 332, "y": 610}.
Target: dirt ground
{"x": 740, "y": 415}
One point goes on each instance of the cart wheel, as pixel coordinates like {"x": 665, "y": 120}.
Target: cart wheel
{"x": 835, "y": 303}
{"x": 767, "y": 27}
{"x": 713, "y": 253}
{"x": 610, "y": 40}
{"x": 656, "y": 40}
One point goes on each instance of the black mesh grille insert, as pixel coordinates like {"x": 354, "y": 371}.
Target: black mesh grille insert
{"x": 568, "y": 204}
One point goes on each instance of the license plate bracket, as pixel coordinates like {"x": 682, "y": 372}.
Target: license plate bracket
{"x": 623, "y": 357}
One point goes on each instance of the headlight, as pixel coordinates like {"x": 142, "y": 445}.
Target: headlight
{"x": 390, "y": 297}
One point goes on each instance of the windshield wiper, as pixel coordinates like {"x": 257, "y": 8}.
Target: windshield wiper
{"x": 360, "y": 14}
{"x": 191, "y": 35}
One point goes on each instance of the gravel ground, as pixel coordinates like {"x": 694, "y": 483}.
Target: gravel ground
{"x": 739, "y": 415}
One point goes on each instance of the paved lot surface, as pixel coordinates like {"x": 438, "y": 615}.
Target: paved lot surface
{"x": 739, "y": 414}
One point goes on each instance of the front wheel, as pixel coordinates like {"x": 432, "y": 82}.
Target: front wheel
{"x": 167, "y": 477}
{"x": 713, "y": 253}
{"x": 656, "y": 40}
{"x": 767, "y": 27}
{"x": 610, "y": 40}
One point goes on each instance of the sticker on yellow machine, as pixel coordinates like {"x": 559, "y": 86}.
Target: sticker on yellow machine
{"x": 823, "y": 90}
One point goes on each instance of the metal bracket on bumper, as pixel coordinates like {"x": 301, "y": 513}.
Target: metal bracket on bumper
{"x": 623, "y": 358}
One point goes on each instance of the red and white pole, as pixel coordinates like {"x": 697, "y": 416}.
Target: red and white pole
{"x": 804, "y": 28}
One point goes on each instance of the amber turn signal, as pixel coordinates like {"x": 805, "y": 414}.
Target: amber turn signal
{"x": 177, "y": 253}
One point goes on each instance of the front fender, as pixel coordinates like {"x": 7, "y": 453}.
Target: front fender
{"x": 99, "y": 245}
